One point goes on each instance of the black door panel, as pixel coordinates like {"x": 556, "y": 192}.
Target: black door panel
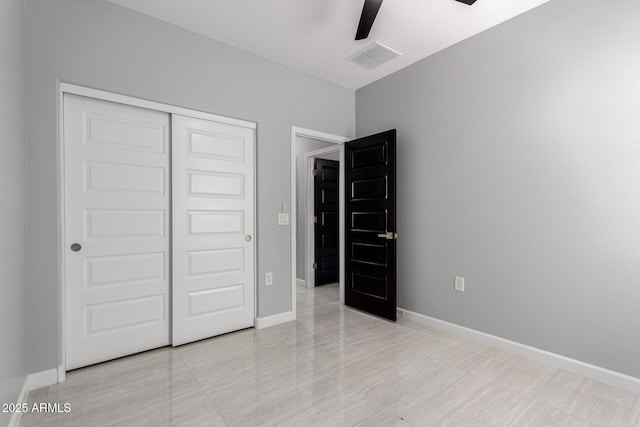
{"x": 370, "y": 229}
{"x": 326, "y": 225}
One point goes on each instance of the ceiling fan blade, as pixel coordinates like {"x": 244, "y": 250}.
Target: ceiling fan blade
{"x": 369, "y": 12}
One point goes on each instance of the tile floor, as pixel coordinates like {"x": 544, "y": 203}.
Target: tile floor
{"x": 336, "y": 367}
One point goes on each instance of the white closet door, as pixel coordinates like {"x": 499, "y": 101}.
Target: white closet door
{"x": 116, "y": 185}
{"x": 213, "y": 228}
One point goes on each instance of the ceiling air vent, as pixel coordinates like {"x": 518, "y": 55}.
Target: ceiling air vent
{"x": 373, "y": 55}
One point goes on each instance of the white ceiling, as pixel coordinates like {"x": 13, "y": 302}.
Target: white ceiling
{"x": 315, "y": 36}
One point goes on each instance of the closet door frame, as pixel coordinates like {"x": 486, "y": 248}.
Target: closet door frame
{"x": 67, "y": 88}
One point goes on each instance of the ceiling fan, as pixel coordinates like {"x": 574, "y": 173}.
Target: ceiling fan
{"x": 369, "y": 12}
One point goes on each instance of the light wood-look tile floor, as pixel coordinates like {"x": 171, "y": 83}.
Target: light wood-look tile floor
{"x": 332, "y": 367}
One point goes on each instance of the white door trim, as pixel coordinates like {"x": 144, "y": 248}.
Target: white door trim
{"x": 309, "y": 207}
{"x": 135, "y": 102}
{"x": 152, "y": 105}
{"x": 327, "y": 137}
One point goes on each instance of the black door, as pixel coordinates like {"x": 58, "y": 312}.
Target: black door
{"x": 370, "y": 229}
{"x": 326, "y": 221}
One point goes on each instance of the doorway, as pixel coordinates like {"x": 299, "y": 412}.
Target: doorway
{"x": 306, "y": 225}
{"x": 306, "y": 146}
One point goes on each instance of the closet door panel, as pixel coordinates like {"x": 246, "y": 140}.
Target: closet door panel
{"x": 213, "y": 228}
{"x": 116, "y": 230}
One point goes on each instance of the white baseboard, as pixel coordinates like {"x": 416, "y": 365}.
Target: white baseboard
{"x": 34, "y": 382}
{"x": 14, "y": 421}
{"x": 43, "y": 379}
{"x": 301, "y": 282}
{"x": 62, "y": 374}
{"x": 596, "y": 373}
{"x": 276, "y": 319}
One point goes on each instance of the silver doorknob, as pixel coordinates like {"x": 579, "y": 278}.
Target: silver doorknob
{"x": 75, "y": 247}
{"x": 247, "y": 237}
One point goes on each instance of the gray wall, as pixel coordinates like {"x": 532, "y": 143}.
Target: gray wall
{"x": 98, "y": 44}
{"x": 305, "y": 145}
{"x": 519, "y": 154}
{"x": 13, "y": 187}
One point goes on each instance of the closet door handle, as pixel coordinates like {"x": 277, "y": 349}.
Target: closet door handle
{"x": 247, "y": 237}
{"x": 75, "y": 247}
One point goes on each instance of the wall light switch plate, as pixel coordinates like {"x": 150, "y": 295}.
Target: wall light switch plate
{"x": 283, "y": 218}
{"x": 268, "y": 278}
{"x": 458, "y": 284}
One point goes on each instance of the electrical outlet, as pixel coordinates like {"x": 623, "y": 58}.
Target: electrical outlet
{"x": 283, "y": 218}
{"x": 458, "y": 284}
{"x": 268, "y": 278}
